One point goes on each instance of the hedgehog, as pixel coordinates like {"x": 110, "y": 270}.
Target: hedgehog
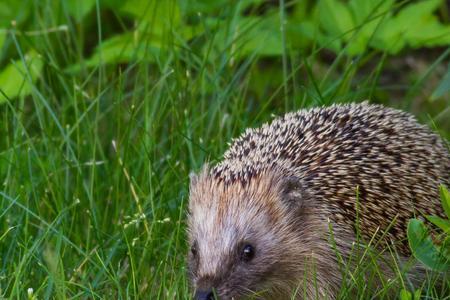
{"x": 261, "y": 220}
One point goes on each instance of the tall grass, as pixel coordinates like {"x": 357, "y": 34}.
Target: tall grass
{"x": 95, "y": 161}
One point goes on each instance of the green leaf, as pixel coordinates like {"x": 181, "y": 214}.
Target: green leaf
{"x": 17, "y": 78}
{"x": 399, "y": 31}
{"x": 12, "y": 12}
{"x": 445, "y": 199}
{"x": 367, "y": 16}
{"x": 156, "y": 16}
{"x": 79, "y": 9}
{"x": 257, "y": 29}
{"x": 244, "y": 38}
{"x": 431, "y": 33}
{"x": 442, "y": 89}
{"x": 123, "y": 48}
{"x": 412, "y": 16}
{"x": 406, "y": 295}
{"x": 388, "y": 37}
{"x": 300, "y": 11}
{"x": 439, "y": 222}
{"x": 335, "y": 17}
{"x": 305, "y": 32}
{"x": 423, "y": 248}
{"x": 16, "y": 11}
{"x": 365, "y": 11}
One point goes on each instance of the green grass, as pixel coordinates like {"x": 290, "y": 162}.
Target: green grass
{"x": 94, "y": 162}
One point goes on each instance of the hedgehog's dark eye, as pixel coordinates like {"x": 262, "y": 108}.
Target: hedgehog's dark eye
{"x": 194, "y": 249}
{"x": 248, "y": 252}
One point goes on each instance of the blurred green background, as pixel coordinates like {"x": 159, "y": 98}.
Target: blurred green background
{"x": 107, "y": 105}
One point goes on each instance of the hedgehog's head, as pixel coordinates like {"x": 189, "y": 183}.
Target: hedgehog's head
{"x": 251, "y": 237}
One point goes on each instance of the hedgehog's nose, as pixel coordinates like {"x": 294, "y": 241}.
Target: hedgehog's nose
{"x": 204, "y": 295}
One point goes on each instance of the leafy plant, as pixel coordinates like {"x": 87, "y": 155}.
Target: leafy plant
{"x": 407, "y": 295}
{"x": 350, "y": 27}
{"x": 17, "y": 78}
{"x": 360, "y": 24}
{"x": 432, "y": 251}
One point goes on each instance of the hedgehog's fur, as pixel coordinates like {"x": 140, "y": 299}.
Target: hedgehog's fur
{"x": 280, "y": 186}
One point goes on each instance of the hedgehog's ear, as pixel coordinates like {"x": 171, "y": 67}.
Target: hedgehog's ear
{"x": 292, "y": 192}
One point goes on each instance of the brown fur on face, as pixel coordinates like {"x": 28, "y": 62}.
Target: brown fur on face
{"x": 272, "y": 213}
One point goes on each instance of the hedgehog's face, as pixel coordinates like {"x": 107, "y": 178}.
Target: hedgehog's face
{"x": 236, "y": 248}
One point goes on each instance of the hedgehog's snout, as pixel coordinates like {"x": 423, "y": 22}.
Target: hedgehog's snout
{"x": 204, "y": 295}
{"x": 206, "y": 289}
